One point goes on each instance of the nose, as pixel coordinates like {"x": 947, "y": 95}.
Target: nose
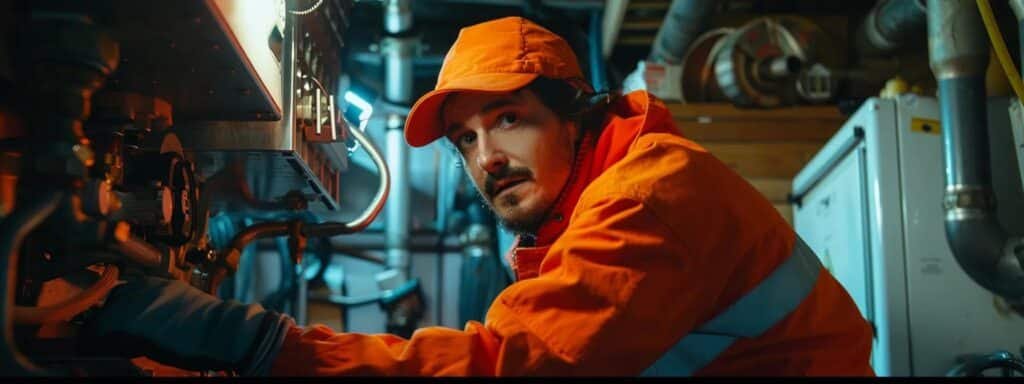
{"x": 489, "y": 158}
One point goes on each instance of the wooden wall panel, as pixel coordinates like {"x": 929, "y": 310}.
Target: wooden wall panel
{"x": 766, "y": 146}
{"x": 768, "y": 159}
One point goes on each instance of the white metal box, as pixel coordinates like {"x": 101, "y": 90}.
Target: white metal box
{"x": 870, "y": 205}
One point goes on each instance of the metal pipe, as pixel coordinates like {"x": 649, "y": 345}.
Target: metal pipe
{"x": 230, "y": 257}
{"x": 684, "y": 20}
{"x": 13, "y": 230}
{"x": 1018, "y": 11}
{"x": 398, "y": 207}
{"x": 397, "y": 16}
{"x": 976, "y": 365}
{"x": 301, "y": 295}
{"x": 594, "y": 45}
{"x": 398, "y": 48}
{"x": 890, "y": 25}
{"x": 958, "y": 52}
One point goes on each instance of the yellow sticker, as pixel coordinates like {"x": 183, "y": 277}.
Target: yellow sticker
{"x": 925, "y": 126}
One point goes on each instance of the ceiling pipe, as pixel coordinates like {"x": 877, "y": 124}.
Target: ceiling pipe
{"x": 684, "y": 20}
{"x": 958, "y": 51}
{"x": 891, "y": 25}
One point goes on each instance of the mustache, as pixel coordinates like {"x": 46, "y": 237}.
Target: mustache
{"x": 504, "y": 173}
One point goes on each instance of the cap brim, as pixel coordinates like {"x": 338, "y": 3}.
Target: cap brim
{"x": 423, "y": 125}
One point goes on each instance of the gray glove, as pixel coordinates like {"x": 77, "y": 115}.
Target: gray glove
{"x": 176, "y": 324}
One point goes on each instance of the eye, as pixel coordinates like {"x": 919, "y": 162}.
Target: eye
{"x": 465, "y": 140}
{"x": 508, "y": 118}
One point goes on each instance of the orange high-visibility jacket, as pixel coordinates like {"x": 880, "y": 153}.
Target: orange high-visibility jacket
{"x": 651, "y": 244}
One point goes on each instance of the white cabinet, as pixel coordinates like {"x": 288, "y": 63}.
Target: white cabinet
{"x": 870, "y": 205}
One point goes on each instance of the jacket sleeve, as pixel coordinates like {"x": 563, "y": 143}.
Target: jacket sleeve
{"x": 609, "y": 300}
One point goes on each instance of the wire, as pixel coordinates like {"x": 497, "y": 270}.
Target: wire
{"x": 308, "y": 10}
{"x": 1000, "y": 47}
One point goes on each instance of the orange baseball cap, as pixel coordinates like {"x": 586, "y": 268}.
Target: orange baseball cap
{"x": 496, "y": 56}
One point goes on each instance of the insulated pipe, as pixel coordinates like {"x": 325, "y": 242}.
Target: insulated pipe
{"x": 890, "y": 25}
{"x": 398, "y": 48}
{"x": 684, "y": 20}
{"x": 958, "y": 52}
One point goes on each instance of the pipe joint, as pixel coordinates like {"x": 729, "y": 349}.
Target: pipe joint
{"x": 965, "y": 201}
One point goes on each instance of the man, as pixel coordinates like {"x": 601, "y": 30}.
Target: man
{"x": 639, "y": 253}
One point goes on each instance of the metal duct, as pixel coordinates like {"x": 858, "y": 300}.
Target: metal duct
{"x": 958, "y": 51}
{"x": 398, "y": 48}
{"x": 890, "y": 25}
{"x": 684, "y": 20}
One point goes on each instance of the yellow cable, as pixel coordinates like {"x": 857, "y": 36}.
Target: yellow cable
{"x": 1000, "y": 47}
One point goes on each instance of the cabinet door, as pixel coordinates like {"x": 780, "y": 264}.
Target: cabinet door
{"x": 833, "y": 221}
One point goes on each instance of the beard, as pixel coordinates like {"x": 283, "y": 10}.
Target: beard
{"x": 528, "y": 224}
{"x": 525, "y": 222}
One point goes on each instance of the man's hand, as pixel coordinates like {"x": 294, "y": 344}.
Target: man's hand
{"x": 176, "y": 324}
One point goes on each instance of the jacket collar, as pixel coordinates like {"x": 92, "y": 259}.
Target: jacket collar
{"x": 631, "y": 115}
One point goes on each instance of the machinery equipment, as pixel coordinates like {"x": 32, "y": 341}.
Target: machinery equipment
{"x": 125, "y": 126}
{"x": 768, "y": 62}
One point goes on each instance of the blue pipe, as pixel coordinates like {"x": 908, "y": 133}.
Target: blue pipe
{"x": 598, "y": 77}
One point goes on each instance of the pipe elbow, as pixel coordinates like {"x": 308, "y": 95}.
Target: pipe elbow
{"x": 988, "y": 254}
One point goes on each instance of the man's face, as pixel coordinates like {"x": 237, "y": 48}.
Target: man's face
{"x": 517, "y": 151}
